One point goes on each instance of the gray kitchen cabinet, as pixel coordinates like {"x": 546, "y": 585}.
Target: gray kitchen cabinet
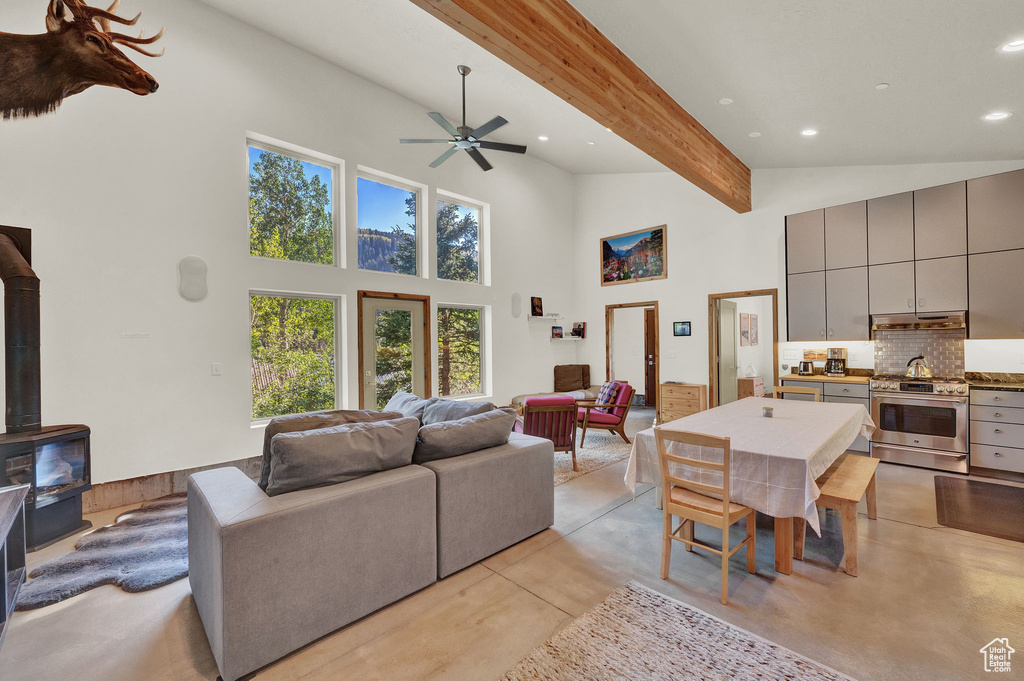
{"x": 892, "y": 288}
{"x": 996, "y": 302}
{"x": 846, "y": 304}
{"x": 940, "y": 221}
{"x": 891, "y": 229}
{"x": 805, "y": 304}
{"x": 941, "y": 284}
{"x": 995, "y": 212}
{"x": 805, "y": 242}
{"x": 846, "y": 235}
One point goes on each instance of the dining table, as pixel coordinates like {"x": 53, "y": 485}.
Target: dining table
{"x": 775, "y": 460}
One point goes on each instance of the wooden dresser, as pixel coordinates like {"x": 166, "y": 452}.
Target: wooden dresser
{"x": 677, "y": 400}
{"x": 749, "y": 387}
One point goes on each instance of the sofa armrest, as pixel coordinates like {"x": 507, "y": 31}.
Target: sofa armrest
{"x": 271, "y": 574}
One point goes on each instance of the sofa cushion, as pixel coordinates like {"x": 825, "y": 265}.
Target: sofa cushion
{"x": 597, "y": 417}
{"x": 312, "y": 421}
{"x": 408, "y": 404}
{"x": 446, "y": 439}
{"x": 568, "y": 377}
{"x": 451, "y": 410}
{"x": 327, "y": 456}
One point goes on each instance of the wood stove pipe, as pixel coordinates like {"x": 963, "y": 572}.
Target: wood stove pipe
{"x": 21, "y": 331}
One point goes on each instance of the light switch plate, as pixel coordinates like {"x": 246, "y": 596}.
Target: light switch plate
{"x": 791, "y": 354}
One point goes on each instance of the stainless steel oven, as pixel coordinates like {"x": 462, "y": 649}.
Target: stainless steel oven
{"x": 921, "y": 423}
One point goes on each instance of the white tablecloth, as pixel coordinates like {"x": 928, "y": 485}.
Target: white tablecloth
{"x": 775, "y": 461}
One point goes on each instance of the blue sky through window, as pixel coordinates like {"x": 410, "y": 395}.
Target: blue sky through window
{"x": 310, "y": 169}
{"x": 382, "y": 206}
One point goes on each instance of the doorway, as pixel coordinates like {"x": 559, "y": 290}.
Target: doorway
{"x": 394, "y": 354}
{"x": 632, "y": 347}
{"x": 743, "y": 342}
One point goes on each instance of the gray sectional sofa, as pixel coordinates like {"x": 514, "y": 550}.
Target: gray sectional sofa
{"x": 271, "y": 574}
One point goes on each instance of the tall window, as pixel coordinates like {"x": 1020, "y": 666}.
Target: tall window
{"x": 459, "y": 357}
{"x": 458, "y": 241}
{"x": 293, "y": 350}
{"x": 387, "y": 227}
{"x": 291, "y": 208}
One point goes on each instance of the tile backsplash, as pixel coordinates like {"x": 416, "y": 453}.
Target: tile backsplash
{"x": 943, "y": 349}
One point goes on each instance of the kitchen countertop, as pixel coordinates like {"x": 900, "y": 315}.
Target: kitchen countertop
{"x": 996, "y": 381}
{"x": 989, "y": 385}
{"x": 857, "y": 380}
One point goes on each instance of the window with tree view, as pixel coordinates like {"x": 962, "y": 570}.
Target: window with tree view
{"x": 458, "y": 242}
{"x": 458, "y": 350}
{"x": 291, "y": 208}
{"x": 387, "y": 227}
{"x": 293, "y": 353}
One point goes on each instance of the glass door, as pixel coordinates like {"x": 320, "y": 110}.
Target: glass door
{"x": 393, "y": 346}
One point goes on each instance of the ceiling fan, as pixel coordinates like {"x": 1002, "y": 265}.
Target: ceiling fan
{"x": 466, "y": 138}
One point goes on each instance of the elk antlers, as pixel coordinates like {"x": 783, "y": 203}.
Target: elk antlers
{"x": 83, "y": 12}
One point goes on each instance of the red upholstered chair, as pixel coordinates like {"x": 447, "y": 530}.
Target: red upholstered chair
{"x": 553, "y": 418}
{"x": 590, "y": 414}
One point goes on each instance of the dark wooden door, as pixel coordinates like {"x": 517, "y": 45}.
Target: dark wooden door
{"x": 650, "y": 359}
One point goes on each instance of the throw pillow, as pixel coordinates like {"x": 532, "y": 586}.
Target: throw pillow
{"x": 451, "y": 410}
{"x": 607, "y": 396}
{"x": 408, "y": 404}
{"x": 568, "y": 377}
{"x": 311, "y": 421}
{"x": 328, "y": 456}
{"x": 470, "y": 434}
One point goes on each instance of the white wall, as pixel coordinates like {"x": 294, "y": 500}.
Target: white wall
{"x": 627, "y": 348}
{"x": 758, "y": 358}
{"x": 117, "y": 188}
{"x": 715, "y": 250}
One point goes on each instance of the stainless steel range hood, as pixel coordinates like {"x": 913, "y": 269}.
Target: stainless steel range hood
{"x": 906, "y": 322}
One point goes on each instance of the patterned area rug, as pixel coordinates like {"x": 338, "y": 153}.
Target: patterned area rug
{"x": 601, "y": 450}
{"x": 639, "y": 634}
{"x": 144, "y": 549}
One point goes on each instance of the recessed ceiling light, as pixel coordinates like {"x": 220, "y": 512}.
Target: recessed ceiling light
{"x": 543, "y": 138}
{"x": 1012, "y": 46}
{"x": 591, "y": 143}
{"x": 725, "y": 100}
{"x": 996, "y": 116}
{"x": 754, "y": 134}
{"x": 808, "y": 132}
{"x": 608, "y": 129}
{"x": 882, "y": 86}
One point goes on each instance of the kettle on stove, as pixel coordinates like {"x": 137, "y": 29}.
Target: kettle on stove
{"x": 917, "y": 367}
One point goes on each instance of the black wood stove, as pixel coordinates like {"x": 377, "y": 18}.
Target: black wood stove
{"x": 54, "y": 460}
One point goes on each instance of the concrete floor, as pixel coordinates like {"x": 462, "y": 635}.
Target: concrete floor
{"x": 927, "y": 599}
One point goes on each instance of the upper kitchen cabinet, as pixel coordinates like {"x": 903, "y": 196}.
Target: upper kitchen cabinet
{"x": 846, "y": 235}
{"x": 805, "y": 242}
{"x": 940, "y": 221}
{"x": 892, "y": 288}
{"x": 995, "y": 212}
{"x": 805, "y": 305}
{"x": 942, "y": 284}
{"x": 996, "y": 304}
{"x": 846, "y": 304}
{"x": 891, "y": 229}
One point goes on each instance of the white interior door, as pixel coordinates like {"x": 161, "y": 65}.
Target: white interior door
{"x": 728, "y": 351}
{"x": 393, "y": 344}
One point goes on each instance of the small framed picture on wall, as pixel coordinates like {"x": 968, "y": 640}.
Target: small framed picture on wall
{"x": 680, "y": 328}
{"x": 536, "y": 306}
{"x": 556, "y": 332}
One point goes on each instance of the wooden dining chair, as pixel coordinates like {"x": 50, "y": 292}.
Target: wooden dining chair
{"x": 780, "y": 390}
{"x": 690, "y": 502}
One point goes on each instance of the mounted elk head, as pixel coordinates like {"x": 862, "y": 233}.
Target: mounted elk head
{"x": 74, "y": 54}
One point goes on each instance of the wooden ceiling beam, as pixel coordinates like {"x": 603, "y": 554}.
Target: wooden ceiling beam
{"x": 555, "y": 45}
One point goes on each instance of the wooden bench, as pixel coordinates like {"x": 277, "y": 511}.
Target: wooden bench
{"x": 842, "y": 487}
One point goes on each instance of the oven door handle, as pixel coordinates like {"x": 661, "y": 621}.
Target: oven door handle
{"x": 960, "y": 401}
{"x": 915, "y": 450}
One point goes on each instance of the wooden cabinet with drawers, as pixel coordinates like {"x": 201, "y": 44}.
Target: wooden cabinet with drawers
{"x": 997, "y": 430}
{"x": 749, "y": 386}
{"x": 677, "y": 400}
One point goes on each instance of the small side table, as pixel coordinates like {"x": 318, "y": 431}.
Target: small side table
{"x": 12, "y": 550}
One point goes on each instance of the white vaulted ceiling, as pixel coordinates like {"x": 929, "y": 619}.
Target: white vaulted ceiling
{"x": 787, "y": 65}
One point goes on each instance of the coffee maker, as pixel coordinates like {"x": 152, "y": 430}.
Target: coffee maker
{"x": 835, "y": 365}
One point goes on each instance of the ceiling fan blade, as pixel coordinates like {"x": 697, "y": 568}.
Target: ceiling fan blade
{"x": 488, "y": 127}
{"x": 427, "y": 141}
{"x": 499, "y": 146}
{"x": 443, "y": 157}
{"x": 479, "y": 158}
{"x": 443, "y": 122}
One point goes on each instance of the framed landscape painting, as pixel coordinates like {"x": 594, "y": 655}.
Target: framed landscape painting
{"x": 634, "y": 256}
